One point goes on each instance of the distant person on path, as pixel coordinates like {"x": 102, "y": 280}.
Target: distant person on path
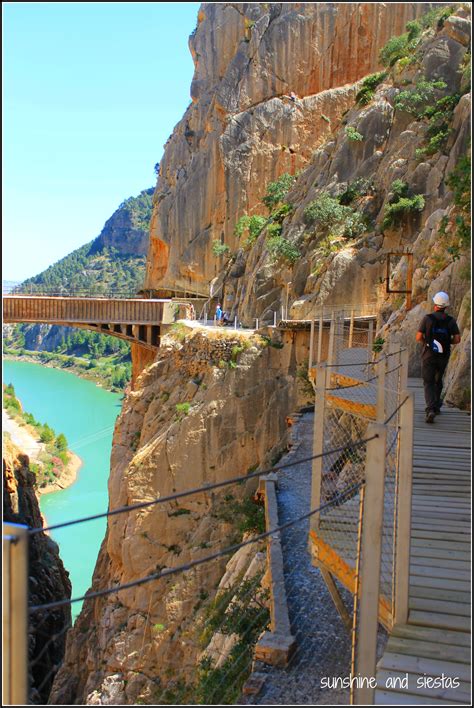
{"x": 192, "y": 312}
{"x": 219, "y": 314}
{"x": 437, "y": 331}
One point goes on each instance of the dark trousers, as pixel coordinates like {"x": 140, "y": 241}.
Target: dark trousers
{"x": 432, "y": 371}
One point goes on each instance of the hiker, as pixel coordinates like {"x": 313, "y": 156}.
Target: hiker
{"x": 437, "y": 331}
{"x": 219, "y": 314}
{"x": 192, "y": 312}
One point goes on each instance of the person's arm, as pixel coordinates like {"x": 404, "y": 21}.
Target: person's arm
{"x": 455, "y": 333}
{"x": 420, "y": 335}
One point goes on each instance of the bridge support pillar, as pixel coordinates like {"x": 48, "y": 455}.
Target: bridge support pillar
{"x": 141, "y": 358}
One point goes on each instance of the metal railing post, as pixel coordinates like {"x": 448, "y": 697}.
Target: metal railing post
{"x": 351, "y": 330}
{"x": 331, "y": 340}
{"x": 320, "y": 338}
{"x": 311, "y": 344}
{"x": 404, "y": 370}
{"x": 15, "y": 614}
{"x": 404, "y": 496}
{"x": 318, "y": 442}
{"x": 381, "y": 368}
{"x": 275, "y": 319}
{"x": 370, "y": 340}
{"x": 371, "y": 553}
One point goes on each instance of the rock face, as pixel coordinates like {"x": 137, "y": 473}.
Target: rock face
{"x": 49, "y": 581}
{"x": 127, "y": 228}
{"x": 242, "y": 130}
{"x": 211, "y": 407}
{"x": 208, "y": 409}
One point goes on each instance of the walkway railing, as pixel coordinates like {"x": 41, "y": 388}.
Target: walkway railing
{"x": 364, "y": 541}
{"x": 239, "y": 613}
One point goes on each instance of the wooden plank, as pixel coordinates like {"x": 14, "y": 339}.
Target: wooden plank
{"x": 415, "y": 685}
{"x": 435, "y": 636}
{"x": 421, "y": 665}
{"x": 440, "y": 553}
{"x": 396, "y": 698}
{"x": 437, "y": 619}
{"x": 443, "y": 583}
{"x": 439, "y": 535}
{"x": 434, "y": 571}
{"x": 430, "y": 650}
{"x": 439, "y": 594}
{"x": 444, "y": 606}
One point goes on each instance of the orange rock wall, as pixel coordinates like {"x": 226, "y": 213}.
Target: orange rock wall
{"x": 241, "y": 132}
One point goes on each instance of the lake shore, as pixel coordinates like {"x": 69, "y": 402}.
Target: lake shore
{"x": 25, "y": 438}
{"x": 70, "y": 364}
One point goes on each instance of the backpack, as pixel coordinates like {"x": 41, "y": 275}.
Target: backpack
{"x": 438, "y": 335}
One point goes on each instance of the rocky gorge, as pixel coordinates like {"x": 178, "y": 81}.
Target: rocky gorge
{"x": 369, "y": 156}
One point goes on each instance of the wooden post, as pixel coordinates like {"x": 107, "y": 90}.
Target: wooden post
{"x": 318, "y": 442}
{"x": 15, "y": 615}
{"x": 404, "y": 370}
{"x": 6, "y": 633}
{"x": 256, "y": 323}
{"x": 370, "y": 340}
{"x": 330, "y": 358}
{"x": 404, "y": 496}
{"x": 311, "y": 344}
{"x": 351, "y": 329}
{"x": 381, "y": 368}
{"x": 320, "y": 337}
{"x": 371, "y": 552}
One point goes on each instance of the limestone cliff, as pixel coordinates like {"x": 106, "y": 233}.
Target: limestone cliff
{"x": 209, "y": 408}
{"x": 48, "y": 579}
{"x": 242, "y": 130}
{"x": 351, "y": 142}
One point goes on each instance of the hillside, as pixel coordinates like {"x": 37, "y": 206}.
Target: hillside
{"x": 112, "y": 262}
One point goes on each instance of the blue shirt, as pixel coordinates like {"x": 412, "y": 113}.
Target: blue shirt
{"x": 218, "y": 313}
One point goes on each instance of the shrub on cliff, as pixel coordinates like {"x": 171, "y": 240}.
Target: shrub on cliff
{"x": 369, "y": 84}
{"x": 277, "y": 191}
{"x": 251, "y": 226}
{"x": 331, "y": 218}
{"x": 220, "y": 249}
{"x": 353, "y": 134}
{"x": 401, "y": 203}
{"x": 417, "y": 99}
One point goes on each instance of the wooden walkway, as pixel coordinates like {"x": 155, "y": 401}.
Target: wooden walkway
{"x": 136, "y": 320}
{"x": 436, "y": 640}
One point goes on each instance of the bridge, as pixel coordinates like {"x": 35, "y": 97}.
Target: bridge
{"x": 135, "y": 320}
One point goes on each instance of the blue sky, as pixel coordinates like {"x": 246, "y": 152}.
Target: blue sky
{"x": 91, "y": 92}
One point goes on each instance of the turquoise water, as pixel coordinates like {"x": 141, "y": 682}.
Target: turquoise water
{"x": 86, "y": 415}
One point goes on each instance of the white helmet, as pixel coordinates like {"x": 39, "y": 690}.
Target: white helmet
{"x": 441, "y": 299}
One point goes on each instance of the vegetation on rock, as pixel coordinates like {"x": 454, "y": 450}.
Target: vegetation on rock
{"x": 401, "y": 203}
{"x": 367, "y": 89}
{"x": 54, "y": 459}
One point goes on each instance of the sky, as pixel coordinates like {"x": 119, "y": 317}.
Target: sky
{"x": 91, "y": 93}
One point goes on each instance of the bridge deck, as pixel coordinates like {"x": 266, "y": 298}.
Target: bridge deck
{"x": 86, "y": 310}
{"x": 437, "y": 638}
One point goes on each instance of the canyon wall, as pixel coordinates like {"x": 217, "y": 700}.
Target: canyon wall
{"x": 48, "y": 580}
{"x": 242, "y": 130}
{"x": 211, "y": 407}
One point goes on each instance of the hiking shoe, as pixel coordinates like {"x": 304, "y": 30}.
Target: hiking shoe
{"x": 430, "y": 416}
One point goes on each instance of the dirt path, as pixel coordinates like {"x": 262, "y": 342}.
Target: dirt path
{"x": 21, "y": 437}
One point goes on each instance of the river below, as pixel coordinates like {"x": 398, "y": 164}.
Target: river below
{"x": 86, "y": 415}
